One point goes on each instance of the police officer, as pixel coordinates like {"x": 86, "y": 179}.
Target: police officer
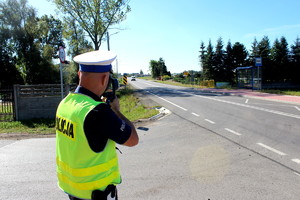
{"x": 87, "y": 130}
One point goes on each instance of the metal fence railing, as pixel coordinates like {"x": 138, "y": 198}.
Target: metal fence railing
{"x": 7, "y": 104}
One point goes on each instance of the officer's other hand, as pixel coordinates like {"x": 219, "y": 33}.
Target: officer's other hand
{"x": 115, "y": 105}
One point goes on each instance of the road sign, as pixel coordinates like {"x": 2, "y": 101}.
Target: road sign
{"x": 258, "y": 62}
{"x": 125, "y": 80}
{"x": 185, "y": 73}
{"x": 62, "y": 55}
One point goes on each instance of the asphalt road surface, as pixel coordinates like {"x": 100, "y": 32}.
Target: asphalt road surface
{"x": 211, "y": 146}
{"x": 255, "y": 135}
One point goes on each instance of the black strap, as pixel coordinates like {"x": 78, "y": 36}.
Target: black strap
{"x": 102, "y": 195}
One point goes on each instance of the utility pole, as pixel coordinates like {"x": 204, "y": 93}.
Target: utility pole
{"x": 108, "y": 48}
{"x": 117, "y": 68}
{"x": 107, "y": 35}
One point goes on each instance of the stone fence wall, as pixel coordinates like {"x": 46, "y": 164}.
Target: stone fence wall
{"x": 38, "y": 101}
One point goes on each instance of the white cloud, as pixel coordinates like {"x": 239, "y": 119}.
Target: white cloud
{"x": 281, "y": 30}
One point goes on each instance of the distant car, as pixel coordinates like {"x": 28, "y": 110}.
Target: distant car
{"x": 133, "y": 78}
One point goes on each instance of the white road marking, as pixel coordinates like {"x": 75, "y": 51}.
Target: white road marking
{"x": 244, "y": 105}
{"x": 168, "y": 101}
{"x": 246, "y": 100}
{"x": 195, "y": 114}
{"x": 252, "y": 107}
{"x": 296, "y": 160}
{"x": 297, "y": 108}
{"x": 164, "y": 99}
{"x": 272, "y": 149}
{"x": 138, "y": 87}
{"x": 210, "y": 121}
{"x": 151, "y": 84}
{"x": 231, "y": 131}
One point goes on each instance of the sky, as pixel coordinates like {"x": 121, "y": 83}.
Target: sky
{"x": 173, "y": 29}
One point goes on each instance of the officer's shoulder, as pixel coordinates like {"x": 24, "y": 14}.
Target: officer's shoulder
{"x": 101, "y": 107}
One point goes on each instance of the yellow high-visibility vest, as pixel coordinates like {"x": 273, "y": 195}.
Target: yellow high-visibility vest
{"x": 80, "y": 170}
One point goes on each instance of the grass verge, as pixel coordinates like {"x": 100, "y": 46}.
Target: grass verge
{"x": 131, "y": 107}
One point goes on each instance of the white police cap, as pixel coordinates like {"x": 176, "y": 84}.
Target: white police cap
{"x": 95, "y": 61}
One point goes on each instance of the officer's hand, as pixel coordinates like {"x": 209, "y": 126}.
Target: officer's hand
{"x": 115, "y": 105}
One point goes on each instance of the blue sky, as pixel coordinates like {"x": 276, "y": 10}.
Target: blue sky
{"x": 174, "y": 29}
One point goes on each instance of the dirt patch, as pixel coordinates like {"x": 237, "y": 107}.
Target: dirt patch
{"x": 22, "y": 136}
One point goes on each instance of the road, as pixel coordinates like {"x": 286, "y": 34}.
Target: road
{"x": 211, "y": 146}
{"x": 269, "y": 130}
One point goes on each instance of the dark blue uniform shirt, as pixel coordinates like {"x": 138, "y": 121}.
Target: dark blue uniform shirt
{"x": 102, "y": 124}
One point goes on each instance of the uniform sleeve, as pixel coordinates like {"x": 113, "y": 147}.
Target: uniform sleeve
{"x": 101, "y": 124}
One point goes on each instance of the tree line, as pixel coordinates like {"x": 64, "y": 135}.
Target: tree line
{"x": 280, "y": 63}
{"x": 30, "y": 43}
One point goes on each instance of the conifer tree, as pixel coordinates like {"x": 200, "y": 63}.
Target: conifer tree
{"x": 295, "y": 53}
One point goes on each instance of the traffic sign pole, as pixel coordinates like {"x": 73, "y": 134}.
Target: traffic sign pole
{"x": 62, "y": 58}
{"x": 258, "y": 64}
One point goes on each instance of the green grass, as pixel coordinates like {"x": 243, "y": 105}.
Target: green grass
{"x": 35, "y": 126}
{"x": 7, "y": 109}
{"x": 131, "y": 107}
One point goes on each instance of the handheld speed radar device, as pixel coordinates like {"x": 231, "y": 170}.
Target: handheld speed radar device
{"x": 112, "y": 87}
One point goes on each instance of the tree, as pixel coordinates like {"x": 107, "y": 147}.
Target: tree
{"x": 229, "y": 64}
{"x": 254, "y": 50}
{"x": 9, "y": 74}
{"x": 280, "y": 63}
{"x": 295, "y": 52}
{"x": 30, "y": 42}
{"x": 154, "y": 68}
{"x": 50, "y": 36}
{"x": 77, "y": 44}
{"x": 95, "y": 17}
{"x": 202, "y": 54}
{"x": 218, "y": 60}
{"x": 239, "y": 55}
{"x": 207, "y": 63}
{"x": 158, "y": 68}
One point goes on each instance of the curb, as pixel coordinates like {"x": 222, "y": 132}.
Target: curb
{"x": 162, "y": 112}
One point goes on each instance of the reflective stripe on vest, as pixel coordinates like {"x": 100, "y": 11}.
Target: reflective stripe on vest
{"x": 79, "y": 169}
{"x": 87, "y": 171}
{"x": 90, "y": 185}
